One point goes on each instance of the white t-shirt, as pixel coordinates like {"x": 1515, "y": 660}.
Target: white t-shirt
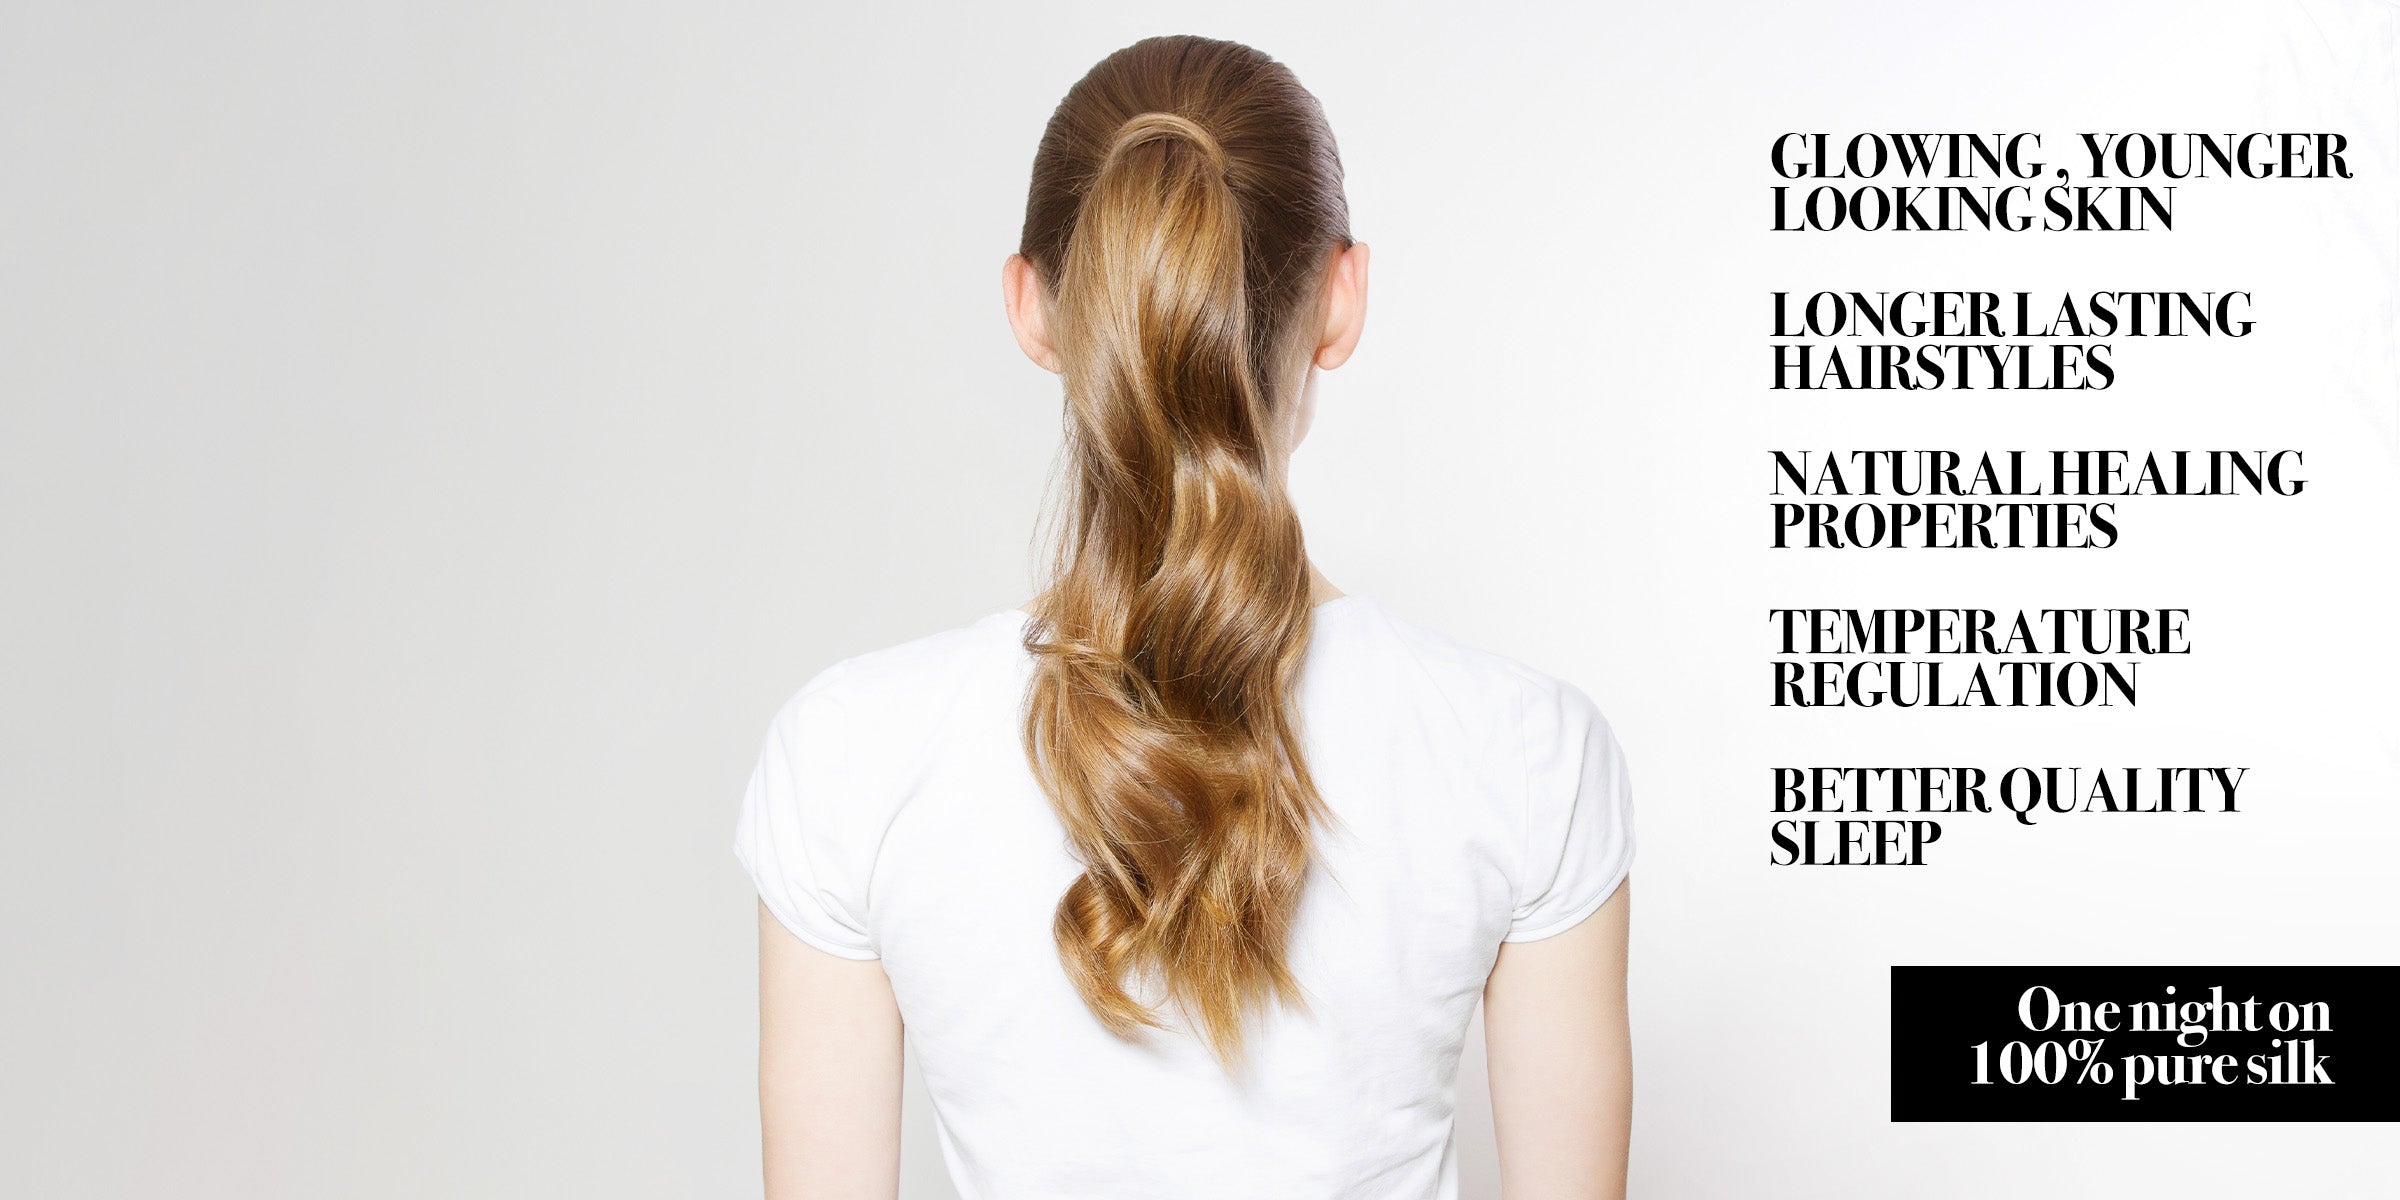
{"x": 892, "y": 815}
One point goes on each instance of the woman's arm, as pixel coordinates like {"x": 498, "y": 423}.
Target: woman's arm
{"x": 828, "y": 1072}
{"x": 1560, "y": 1053}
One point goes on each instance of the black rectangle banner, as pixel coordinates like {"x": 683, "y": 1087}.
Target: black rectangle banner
{"x": 2145, "y": 1044}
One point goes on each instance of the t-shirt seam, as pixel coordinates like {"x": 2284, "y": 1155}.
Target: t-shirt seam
{"x": 800, "y": 929}
{"x": 829, "y": 709}
{"x": 904, "y": 784}
{"x": 1524, "y": 878}
{"x": 1610, "y": 881}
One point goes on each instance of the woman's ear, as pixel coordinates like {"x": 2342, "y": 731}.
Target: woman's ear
{"x": 1345, "y": 306}
{"x": 1021, "y": 292}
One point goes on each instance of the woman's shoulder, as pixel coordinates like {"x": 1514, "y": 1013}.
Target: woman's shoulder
{"x": 1554, "y": 766}
{"x": 1462, "y": 671}
{"x": 905, "y": 684}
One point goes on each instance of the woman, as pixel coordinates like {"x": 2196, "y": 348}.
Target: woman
{"x": 1185, "y": 876}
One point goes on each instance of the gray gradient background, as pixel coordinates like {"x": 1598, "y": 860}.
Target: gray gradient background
{"x": 437, "y": 436}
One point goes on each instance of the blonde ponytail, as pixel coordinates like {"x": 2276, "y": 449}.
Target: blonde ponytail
{"x": 1169, "y": 642}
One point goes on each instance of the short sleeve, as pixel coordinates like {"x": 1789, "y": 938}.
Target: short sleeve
{"x": 797, "y": 834}
{"x": 1578, "y": 814}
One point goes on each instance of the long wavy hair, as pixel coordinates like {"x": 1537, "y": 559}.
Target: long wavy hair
{"x": 1186, "y": 199}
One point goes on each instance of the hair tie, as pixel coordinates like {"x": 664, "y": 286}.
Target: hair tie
{"x": 1150, "y": 126}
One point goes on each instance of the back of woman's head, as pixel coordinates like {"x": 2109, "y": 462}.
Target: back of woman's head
{"x": 1186, "y": 201}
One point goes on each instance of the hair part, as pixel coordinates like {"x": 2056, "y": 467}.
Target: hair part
{"x": 1184, "y": 201}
